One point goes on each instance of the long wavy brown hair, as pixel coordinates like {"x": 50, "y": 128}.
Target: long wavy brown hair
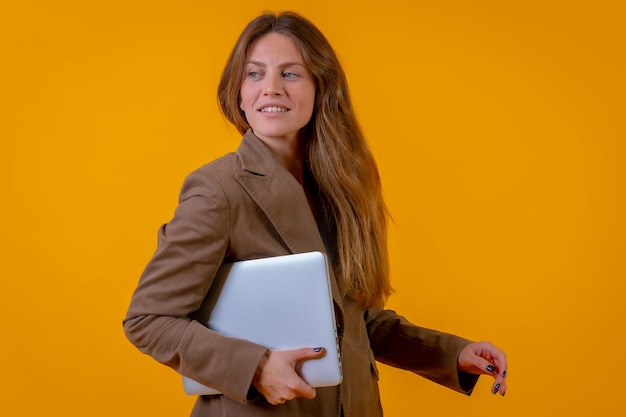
{"x": 338, "y": 162}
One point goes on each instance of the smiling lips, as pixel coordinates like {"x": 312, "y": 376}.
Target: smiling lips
{"x": 274, "y": 109}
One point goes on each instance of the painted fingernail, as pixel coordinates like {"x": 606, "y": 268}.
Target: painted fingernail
{"x": 504, "y": 374}
{"x": 496, "y": 388}
{"x": 317, "y": 349}
{"x": 503, "y": 393}
{"x": 490, "y": 368}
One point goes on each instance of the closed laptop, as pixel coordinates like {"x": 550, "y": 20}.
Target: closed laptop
{"x": 281, "y": 302}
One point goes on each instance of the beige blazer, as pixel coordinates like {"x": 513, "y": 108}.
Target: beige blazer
{"x": 245, "y": 205}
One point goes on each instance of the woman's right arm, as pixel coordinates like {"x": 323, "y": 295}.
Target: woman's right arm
{"x": 191, "y": 248}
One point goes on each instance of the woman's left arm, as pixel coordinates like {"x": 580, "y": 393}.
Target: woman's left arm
{"x": 441, "y": 357}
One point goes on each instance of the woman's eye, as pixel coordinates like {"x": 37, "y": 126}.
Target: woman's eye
{"x": 253, "y": 74}
{"x": 290, "y": 74}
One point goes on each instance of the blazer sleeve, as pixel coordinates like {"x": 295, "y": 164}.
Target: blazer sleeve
{"x": 191, "y": 247}
{"x": 429, "y": 353}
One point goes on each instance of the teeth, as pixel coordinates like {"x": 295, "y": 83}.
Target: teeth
{"x": 273, "y": 109}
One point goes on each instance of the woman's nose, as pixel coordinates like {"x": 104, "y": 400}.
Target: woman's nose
{"x": 274, "y": 86}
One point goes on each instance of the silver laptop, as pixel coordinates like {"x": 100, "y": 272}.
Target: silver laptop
{"x": 281, "y": 302}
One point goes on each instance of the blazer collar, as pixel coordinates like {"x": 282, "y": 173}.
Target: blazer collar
{"x": 254, "y": 156}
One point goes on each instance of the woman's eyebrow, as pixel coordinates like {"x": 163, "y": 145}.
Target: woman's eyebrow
{"x": 284, "y": 65}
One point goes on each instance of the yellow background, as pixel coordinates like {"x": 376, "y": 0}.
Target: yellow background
{"x": 500, "y": 134}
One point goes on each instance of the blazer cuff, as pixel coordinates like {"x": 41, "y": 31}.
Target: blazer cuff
{"x": 467, "y": 382}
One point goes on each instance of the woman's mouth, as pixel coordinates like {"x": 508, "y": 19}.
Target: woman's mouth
{"x": 274, "y": 109}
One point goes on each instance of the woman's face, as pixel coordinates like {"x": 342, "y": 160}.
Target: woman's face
{"x": 278, "y": 92}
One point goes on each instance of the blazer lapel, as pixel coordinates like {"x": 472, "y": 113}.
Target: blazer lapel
{"x": 281, "y": 198}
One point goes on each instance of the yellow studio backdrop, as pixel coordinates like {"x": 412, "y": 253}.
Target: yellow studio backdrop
{"x": 500, "y": 134}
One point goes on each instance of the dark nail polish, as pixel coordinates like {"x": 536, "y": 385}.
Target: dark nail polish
{"x": 503, "y": 393}
{"x": 490, "y": 368}
{"x": 504, "y": 374}
{"x": 496, "y": 388}
{"x": 317, "y": 349}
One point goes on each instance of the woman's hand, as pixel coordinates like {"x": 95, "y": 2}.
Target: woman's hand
{"x": 276, "y": 378}
{"x": 483, "y": 358}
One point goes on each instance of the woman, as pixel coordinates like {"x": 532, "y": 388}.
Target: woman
{"x": 303, "y": 179}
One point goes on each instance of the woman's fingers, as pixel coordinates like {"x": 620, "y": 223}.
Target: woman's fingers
{"x": 276, "y": 378}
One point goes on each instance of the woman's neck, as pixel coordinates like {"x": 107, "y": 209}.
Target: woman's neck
{"x": 289, "y": 152}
